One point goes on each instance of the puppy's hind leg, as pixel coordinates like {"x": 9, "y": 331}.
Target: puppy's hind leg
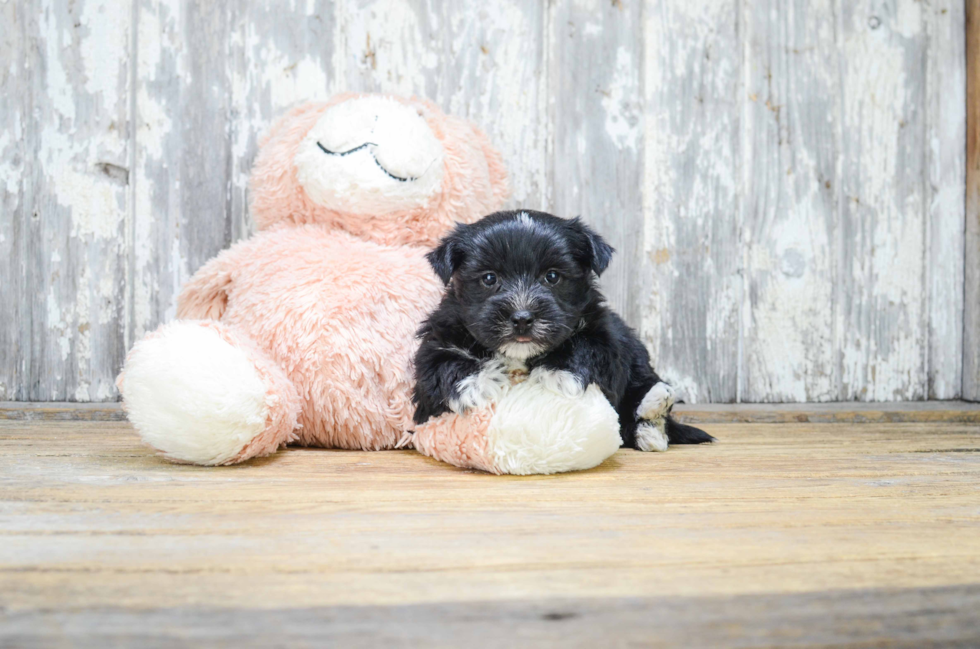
{"x": 645, "y": 409}
{"x": 651, "y": 415}
{"x": 656, "y": 429}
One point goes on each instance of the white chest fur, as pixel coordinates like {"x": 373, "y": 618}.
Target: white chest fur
{"x": 501, "y": 374}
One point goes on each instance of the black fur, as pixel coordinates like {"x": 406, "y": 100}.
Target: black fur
{"x": 571, "y": 326}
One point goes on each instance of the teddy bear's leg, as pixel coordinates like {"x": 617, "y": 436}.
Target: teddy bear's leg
{"x": 538, "y": 428}
{"x": 202, "y": 393}
{"x": 542, "y": 425}
{"x": 457, "y": 439}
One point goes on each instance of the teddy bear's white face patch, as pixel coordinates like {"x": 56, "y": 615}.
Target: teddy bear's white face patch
{"x": 370, "y": 155}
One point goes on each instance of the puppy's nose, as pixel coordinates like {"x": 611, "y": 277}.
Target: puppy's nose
{"x": 522, "y": 321}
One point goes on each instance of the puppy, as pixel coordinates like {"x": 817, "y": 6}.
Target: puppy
{"x": 522, "y": 299}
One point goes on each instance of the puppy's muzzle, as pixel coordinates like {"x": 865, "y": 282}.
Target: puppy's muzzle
{"x": 522, "y": 321}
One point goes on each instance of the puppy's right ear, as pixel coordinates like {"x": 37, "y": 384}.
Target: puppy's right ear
{"x": 596, "y": 252}
{"x": 447, "y": 256}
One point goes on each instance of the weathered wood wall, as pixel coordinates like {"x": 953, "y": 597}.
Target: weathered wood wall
{"x": 971, "y": 314}
{"x": 784, "y": 180}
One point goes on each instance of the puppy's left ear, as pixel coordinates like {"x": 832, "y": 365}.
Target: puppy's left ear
{"x": 447, "y": 256}
{"x": 595, "y": 252}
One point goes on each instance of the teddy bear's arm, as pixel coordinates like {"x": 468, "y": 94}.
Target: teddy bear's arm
{"x": 205, "y": 296}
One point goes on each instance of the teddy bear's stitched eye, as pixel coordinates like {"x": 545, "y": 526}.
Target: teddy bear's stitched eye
{"x": 489, "y": 279}
{"x": 552, "y": 277}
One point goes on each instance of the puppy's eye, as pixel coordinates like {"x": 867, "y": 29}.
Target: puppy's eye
{"x": 489, "y": 279}
{"x": 552, "y": 277}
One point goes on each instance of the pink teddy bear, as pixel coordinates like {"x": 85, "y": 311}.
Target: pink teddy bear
{"x": 305, "y": 332}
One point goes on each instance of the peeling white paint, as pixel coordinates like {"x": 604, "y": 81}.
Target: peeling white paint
{"x": 498, "y": 81}
{"x": 160, "y": 53}
{"x": 96, "y": 209}
{"x": 79, "y": 192}
{"x": 107, "y": 30}
{"x": 621, "y": 101}
{"x": 57, "y": 327}
{"x": 741, "y": 240}
{"x": 385, "y": 47}
{"x": 11, "y": 172}
{"x": 908, "y": 21}
{"x": 884, "y": 343}
{"x": 58, "y": 87}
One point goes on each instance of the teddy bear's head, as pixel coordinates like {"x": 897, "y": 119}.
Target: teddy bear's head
{"x": 381, "y": 167}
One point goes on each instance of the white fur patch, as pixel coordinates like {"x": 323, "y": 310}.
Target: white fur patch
{"x": 521, "y": 351}
{"x": 656, "y": 403}
{"x": 559, "y": 382}
{"x": 385, "y": 158}
{"x": 193, "y": 396}
{"x": 485, "y": 387}
{"x": 652, "y": 436}
{"x": 537, "y": 430}
{"x": 525, "y": 219}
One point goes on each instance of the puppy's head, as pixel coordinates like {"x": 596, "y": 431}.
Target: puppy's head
{"x": 521, "y": 281}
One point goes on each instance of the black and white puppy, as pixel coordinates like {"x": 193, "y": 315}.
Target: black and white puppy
{"x": 521, "y": 288}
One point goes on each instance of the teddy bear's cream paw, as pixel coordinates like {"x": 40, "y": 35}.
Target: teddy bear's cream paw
{"x": 538, "y": 431}
{"x": 652, "y": 435}
{"x": 656, "y": 403}
{"x": 558, "y": 381}
{"x": 192, "y": 395}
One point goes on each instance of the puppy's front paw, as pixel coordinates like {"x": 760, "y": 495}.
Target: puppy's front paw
{"x": 656, "y": 403}
{"x": 480, "y": 389}
{"x": 652, "y": 436}
{"x": 559, "y": 382}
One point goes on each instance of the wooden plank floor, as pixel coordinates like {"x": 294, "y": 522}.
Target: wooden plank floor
{"x": 783, "y": 534}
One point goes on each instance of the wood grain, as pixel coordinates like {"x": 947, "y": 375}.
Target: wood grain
{"x": 692, "y": 179}
{"x": 792, "y": 112}
{"x": 596, "y": 114}
{"x": 971, "y": 318}
{"x": 784, "y": 181}
{"x": 55, "y": 411}
{"x": 757, "y": 413}
{"x": 843, "y": 413}
{"x": 850, "y": 618}
{"x": 945, "y": 191}
{"x": 65, "y": 171}
{"x": 882, "y": 321}
{"x": 482, "y": 61}
{"x": 16, "y": 162}
{"x": 877, "y": 517}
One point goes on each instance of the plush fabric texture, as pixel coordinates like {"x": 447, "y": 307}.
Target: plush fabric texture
{"x": 537, "y": 426}
{"x": 305, "y": 332}
{"x": 460, "y": 440}
{"x": 474, "y": 180}
{"x": 357, "y": 147}
{"x": 536, "y": 430}
{"x": 337, "y": 313}
{"x": 201, "y": 394}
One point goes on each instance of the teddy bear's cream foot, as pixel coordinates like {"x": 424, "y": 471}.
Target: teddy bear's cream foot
{"x": 202, "y": 394}
{"x": 651, "y": 430}
{"x": 457, "y": 439}
{"x": 542, "y": 423}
